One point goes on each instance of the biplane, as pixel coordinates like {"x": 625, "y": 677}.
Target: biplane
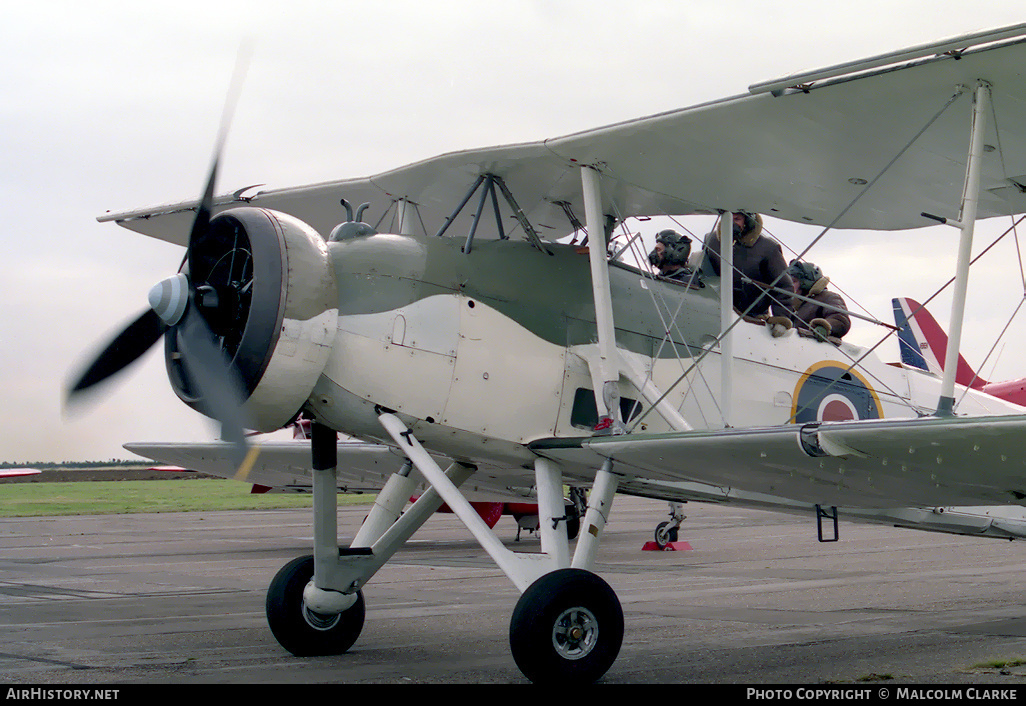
{"x": 485, "y": 330}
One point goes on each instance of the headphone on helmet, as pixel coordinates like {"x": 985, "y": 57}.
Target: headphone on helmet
{"x": 677, "y": 249}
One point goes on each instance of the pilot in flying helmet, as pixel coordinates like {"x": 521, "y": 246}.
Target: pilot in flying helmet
{"x": 670, "y": 254}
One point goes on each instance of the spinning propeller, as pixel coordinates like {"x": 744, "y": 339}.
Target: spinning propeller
{"x": 189, "y": 308}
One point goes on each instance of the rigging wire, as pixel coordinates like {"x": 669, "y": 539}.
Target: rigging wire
{"x": 869, "y": 185}
{"x": 922, "y": 306}
{"x": 845, "y": 294}
{"x": 668, "y": 325}
{"x": 976, "y": 375}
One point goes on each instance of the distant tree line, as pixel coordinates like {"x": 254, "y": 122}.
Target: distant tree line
{"x": 74, "y": 464}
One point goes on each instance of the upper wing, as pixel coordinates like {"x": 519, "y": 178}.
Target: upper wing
{"x": 802, "y": 156}
{"x": 867, "y": 464}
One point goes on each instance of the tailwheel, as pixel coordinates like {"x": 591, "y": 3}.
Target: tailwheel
{"x": 665, "y": 533}
{"x": 301, "y": 631}
{"x": 566, "y": 627}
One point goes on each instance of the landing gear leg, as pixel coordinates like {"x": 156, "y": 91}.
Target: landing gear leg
{"x": 568, "y": 623}
{"x": 313, "y": 623}
{"x": 315, "y": 605}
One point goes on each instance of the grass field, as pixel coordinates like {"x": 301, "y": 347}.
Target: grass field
{"x": 126, "y": 496}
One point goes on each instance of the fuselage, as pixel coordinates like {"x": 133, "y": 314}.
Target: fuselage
{"x": 1013, "y": 391}
{"x": 482, "y": 353}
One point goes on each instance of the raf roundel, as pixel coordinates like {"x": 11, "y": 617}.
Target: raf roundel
{"x": 829, "y": 392}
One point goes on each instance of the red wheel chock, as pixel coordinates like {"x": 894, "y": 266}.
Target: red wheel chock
{"x": 670, "y": 547}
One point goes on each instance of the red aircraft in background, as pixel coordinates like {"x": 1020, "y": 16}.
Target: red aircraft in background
{"x": 18, "y": 472}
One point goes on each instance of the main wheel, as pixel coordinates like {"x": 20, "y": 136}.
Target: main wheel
{"x": 298, "y": 629}
{"x": 567, "y": 627}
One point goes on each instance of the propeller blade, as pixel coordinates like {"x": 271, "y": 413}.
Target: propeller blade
{"x": 128, "y": 346}
{"x": 215, "y": 380}
{"x": 205, "y": 208}
{"x": 217, "y": 383}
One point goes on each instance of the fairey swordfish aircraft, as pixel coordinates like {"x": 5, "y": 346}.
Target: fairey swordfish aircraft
{"x": 469, "y": 352}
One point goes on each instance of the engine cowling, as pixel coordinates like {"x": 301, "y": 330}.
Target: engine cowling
{"x": 265, "y": 285}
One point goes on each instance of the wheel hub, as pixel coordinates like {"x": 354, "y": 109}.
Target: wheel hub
{"x": 320, "y": 621}
{"x": 575, "y": 633}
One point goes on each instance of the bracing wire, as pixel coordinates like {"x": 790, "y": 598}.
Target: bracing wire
{"x": 869, "y": 185}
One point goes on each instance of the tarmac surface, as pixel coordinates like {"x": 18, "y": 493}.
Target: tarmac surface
{"x": 179, "y": 598}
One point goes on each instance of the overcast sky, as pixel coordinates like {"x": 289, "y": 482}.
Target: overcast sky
{"x": 109, "y": 105}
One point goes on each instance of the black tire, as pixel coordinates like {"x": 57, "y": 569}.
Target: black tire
{"x": 573, "y": 522}
{"x": 301, "y": 631}
{"x": 567, "y": 628}
{"x": 664, "y": 534}
{"x": 573, "y": 528}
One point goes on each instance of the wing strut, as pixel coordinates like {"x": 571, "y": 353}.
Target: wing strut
{"x": 608, "y": 398}
{"x": 726, "y": 316}
{"x": 967, "y": 221}
{"x": 609, "y": 363}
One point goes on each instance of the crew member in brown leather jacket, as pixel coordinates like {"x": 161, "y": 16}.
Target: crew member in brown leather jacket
{"x": 758, "y": 263}
{"x": 824, "y": 321}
